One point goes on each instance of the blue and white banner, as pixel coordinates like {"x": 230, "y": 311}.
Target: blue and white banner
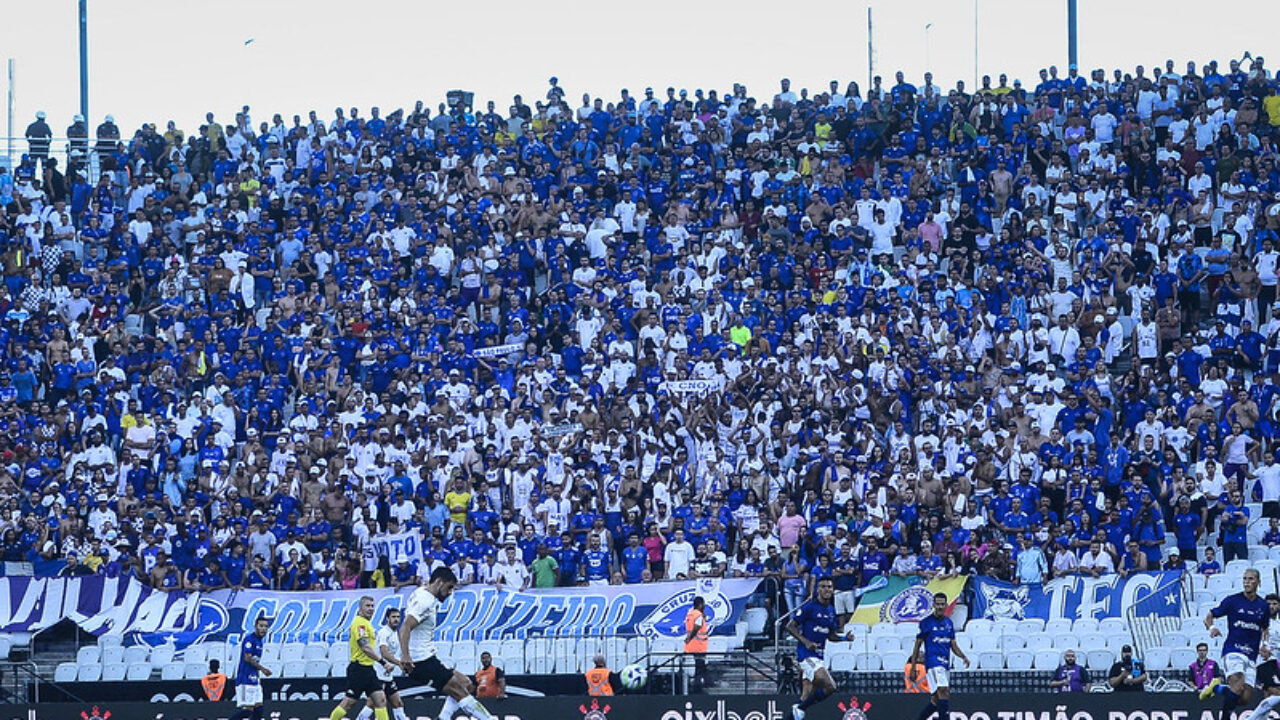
{"x": 481, "y": 612}
{"x": 497, "y": 350}
{"x": 97, "y": 604}
{"x": 476, "y": 612}
{"x": 1079, "y": 597}
{"x": 393, "y": 547}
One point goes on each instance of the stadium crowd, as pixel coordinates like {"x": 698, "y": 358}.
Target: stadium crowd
{"x": 1021, "y": 331}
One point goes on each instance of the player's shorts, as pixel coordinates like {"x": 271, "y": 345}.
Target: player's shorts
{"x": 430, "y": 672}
{"x": 362, "y": 680}
{"x": 809, "y": 668}
{"x": 389, "y": 687}
{"x": 1239, "y": 663}
{"x": 846, "y": 602}
{"x": 938, "y": 677}
{"x": 248, "y": 696}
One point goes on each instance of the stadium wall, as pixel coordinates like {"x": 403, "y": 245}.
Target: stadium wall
{"x": 1078, "y": 706}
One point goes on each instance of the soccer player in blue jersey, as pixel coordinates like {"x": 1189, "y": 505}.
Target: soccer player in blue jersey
{"x": 250, "y": 672}
{"x": 812, "y": 626}
{"x": 1247, "y": 616}
{"x": 937, "y": 637}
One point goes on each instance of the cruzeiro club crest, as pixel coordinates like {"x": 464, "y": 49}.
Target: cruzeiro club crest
{"x": 595, "y": 711}
{"x": 667, "y": 619}
{"x": 853, "y": 710}
{"x": 910, "y": 605}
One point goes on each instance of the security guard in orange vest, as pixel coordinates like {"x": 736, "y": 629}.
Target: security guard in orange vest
{"x": 598, "y": 679}
{"x": 491, "y": 682}
{"x": 215, "y": 683}
{"x": 917, "y": 680}
{"x": 695, "y": 641}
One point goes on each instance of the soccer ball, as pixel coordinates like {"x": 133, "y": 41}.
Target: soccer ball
{"x": 634, "y": 676}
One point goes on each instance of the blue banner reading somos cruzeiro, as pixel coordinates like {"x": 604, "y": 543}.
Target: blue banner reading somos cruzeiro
{"x": 1079, "y": 597}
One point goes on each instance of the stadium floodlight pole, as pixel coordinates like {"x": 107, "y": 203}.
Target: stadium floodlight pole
{"x": 975, "y": 45}
{"x": 870, "y": 51}
{"x": 1071, "y": 35}
{"x": 927, "y": 66}
{"x": 84, "y": 60}
{"x": 9, "y": 156}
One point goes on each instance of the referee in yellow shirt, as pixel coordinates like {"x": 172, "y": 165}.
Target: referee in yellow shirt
{"x": 361, "y": 678}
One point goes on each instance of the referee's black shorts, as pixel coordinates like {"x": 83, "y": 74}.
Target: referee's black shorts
{"x": 361, "y": 681}
{"x": 430, "y": 672}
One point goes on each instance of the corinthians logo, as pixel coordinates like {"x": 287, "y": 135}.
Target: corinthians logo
{"x": 595, "y": 711}
{"x": 853, "y": 710}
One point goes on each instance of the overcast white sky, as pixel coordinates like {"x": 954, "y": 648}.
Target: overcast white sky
{"x": 157, "y": 60}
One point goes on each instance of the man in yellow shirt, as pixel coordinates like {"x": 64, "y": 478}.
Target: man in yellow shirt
{"x": 1271, "y": 105}
{"x": 361, "y": 678}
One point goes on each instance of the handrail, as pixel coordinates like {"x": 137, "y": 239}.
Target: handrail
{"x": 27, "y": 690}
{"x": 674, "y": 661}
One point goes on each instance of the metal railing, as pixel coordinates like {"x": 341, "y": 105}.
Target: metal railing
{"x": 681, "y": 666}
{"x": 13, "y": 148}
{"x": 20, "y": 682}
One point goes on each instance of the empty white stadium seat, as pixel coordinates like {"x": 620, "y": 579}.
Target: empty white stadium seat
{"x": 318, "y": 668}
{"x": 316, "y": 651}
{"x": 868, "y": 662}
{"x": 1057, "y": 626}
{"x": 294, "y": 669}
{"x": 896, "y": 660}
{"x": 1220, "y": 585}
{"x": 1009, "y": 643}
{"x": 1235, "y": 568}
{"x": 137, "y": 654}
{"x": 173, "y": 671}
{"x": 161, "y": 656}
{"x": 65, "y": 672}
{"x": 1100, "y": 660}
{"x": 113, "y": 655}
{"x": 89, "y": 673}
{"x": 1113, "y": 626}
{"x": 110, "y": 640}
{"x": 290, "y": 652}
{"x": 978, "y": 625}
{"x": 1019, "y": 660}
{"x": 1065, "y": 641}
{"x": 194, "y": 670}
{"x": 1156, "y": 659}
{"x": 539, "y": 664}
{"x": 199, "y": 653}
{"x": 990, "y": 660}
{"x": 1030, "y": 625}
{"x": 985, "y": 642}
{"x": 142, "y": 672}
{"x": 858, "y": 629}
{"x": 1047, "y": 659}
{"x": 1093, "y": 641}
{"x": 756, "y": 619}
{"x": 339, "y": 652}
{"x": 1174, "y": 640}
{"x": 88, "y": 655}
{"x": 843, "y": 662}
{"x": 1039, "y": 641}
{"x": 1084, "y": 625}
{"x": 887, "y": 644}
{"x": 1181, "y": 658}
{"x": 114, "y": 673}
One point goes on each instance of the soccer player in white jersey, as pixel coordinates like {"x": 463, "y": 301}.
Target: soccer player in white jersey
{"x": 418, "y": 648}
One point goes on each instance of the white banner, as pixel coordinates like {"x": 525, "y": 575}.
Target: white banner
{"x": 497, "y": 350}
{"x": 554, "y": 431}
{"x": 407, "y": 544}
{"x": 701, "y": 388}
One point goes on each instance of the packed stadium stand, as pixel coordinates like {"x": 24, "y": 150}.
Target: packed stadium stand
{"x": 1022, "y": 338}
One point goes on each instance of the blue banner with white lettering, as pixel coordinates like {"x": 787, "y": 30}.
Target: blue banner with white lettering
{"x": 475, "y": 612}
{"x": 1079, "y": 597}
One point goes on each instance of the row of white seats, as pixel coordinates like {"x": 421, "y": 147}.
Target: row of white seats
{"x": 1100, "y": 660}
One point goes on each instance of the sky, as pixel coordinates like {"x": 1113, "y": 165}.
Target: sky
{"x": 161, "y": 60}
